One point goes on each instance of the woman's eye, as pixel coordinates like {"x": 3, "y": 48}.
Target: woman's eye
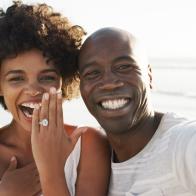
{"x": 16, "y": 79}
{"x": 48, "y": 78}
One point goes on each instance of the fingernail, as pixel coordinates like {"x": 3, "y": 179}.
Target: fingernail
{"x": 37, "y": 106}
{"x": 59, "y": 91}
{"x": 46, "y": 96}
{"x": 53, "y": 90}
{"x": 13, "y": 158}
{"x": 59, "y": 95}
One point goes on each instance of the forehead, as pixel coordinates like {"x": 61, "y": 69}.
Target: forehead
{"x": 30, "y": 60}
{"x": 103, "y": 49}
{"x": 106, "y": 46}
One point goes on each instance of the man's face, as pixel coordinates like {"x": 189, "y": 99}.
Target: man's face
{"x": 114, "y": 85}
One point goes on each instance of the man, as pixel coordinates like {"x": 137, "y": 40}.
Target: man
{"x": 153, "y": 153}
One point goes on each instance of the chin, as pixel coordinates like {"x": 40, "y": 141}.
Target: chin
{"x": 114, "y": 127}
{"x": 26, "y": 128}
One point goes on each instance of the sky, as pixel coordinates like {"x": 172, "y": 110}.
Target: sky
{"x": 166, "y": 27}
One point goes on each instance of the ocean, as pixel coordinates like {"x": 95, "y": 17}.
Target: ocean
{"x": 174, "y": 83}
{"x": 174, "y": 90}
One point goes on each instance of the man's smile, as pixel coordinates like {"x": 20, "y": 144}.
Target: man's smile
{"x": 114, "y": 104}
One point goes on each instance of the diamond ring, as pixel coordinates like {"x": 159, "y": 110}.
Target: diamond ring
{"x": 44, "y": 122}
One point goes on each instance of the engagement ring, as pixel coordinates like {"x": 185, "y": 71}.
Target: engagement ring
{"x": 44, "y": 122}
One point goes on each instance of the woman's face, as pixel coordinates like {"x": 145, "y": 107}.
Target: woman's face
{"x": 23, "y": 80}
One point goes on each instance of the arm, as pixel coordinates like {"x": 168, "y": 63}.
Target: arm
{"x": 94, "y": 165}
{"x": 54, "y": 184}
{"x": 51, "y": 146}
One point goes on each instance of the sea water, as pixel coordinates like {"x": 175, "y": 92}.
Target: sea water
{"x": 175, "y": 85}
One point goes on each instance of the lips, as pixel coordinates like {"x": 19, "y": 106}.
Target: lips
{"x": 28, "y": 107}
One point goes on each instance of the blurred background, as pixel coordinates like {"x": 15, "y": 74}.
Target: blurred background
{"x": 166, "y": 28}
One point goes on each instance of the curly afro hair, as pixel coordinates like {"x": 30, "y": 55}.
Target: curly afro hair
{"x": 24, "y": 27}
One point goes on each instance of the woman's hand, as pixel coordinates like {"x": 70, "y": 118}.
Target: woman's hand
{"x": 17, "y": 182}
{"x": 51, "y": 145}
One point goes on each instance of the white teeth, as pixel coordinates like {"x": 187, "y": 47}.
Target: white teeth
{"x": 114, "y": 104}
{"x": 31, "y": 105}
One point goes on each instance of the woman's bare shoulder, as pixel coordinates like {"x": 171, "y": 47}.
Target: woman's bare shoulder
{"x": 89, "y": 132}
{"x": 4, "y": 152}
{"x": 94, "y": 165}
{"x": 94, "y": 133}
{"x": 69, "y": 128}
{"x": 95, "y": 139}
{"x": 3, "y": 135}
{"x": 92, "y": 139}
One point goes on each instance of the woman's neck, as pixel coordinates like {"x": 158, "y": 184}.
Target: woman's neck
{"x": 16, "y": 136}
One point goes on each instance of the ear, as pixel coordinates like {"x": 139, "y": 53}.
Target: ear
{"x": 150, "y": 76}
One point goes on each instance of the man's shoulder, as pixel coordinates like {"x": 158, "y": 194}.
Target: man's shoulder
{"x": 187, "y": 128}
{"x": 170, "y": 121}
{"x": 176, "y": 129}
{"x": 183, "y": 132}
{"x": 173, "y": 118}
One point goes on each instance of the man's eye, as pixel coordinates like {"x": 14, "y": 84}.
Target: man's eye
{"x": 124, "y": 66}
{"x": 91, "y": 74}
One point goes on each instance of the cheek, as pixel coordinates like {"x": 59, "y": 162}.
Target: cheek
{"x": 88, "y": 91}
{"x": 57, "y": 84}
{"x": 141, "y": 99}
{"x": 10, "y": 100}
{"x": 11, "y": 94}
{"x": 140, "y": 94}
{"x": 58, "y": 87}
{"x": 86, "y": 94}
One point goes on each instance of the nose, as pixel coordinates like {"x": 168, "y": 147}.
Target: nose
{"x": 34, "y": 90}
{"x": 110, "y": 82}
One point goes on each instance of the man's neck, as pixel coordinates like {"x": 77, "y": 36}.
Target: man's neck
{"x": 129, "y": 144}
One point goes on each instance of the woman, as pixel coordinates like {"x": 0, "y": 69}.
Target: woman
{"x": 38, "y": 56}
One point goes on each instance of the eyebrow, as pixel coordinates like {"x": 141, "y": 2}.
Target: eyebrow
{"x": 124, "y": 58}
{"x": 87, "y": 65}
{"x": 21, "y": 71}
{"x": 50, "y": 70}
{"x": 120, "y": 58}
